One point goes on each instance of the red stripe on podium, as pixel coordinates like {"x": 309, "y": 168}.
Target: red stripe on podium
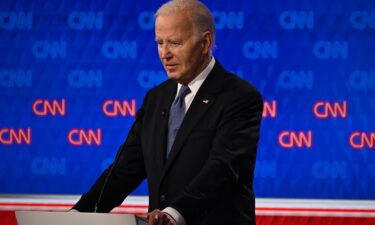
{"x": 316, "y": 210}
{"x": 8, "y": 218}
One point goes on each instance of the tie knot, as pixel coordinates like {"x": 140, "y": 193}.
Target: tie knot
{"x": 184, "y": 90}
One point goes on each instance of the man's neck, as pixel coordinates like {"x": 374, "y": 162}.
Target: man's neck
{"x": 205, "y": 63}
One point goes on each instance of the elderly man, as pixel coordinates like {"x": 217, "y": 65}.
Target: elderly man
{"x": 195, "y": 136}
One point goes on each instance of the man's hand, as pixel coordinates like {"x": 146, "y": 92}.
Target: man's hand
{"x": 158, "y": 217}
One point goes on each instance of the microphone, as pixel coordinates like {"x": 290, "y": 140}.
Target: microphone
{"x": 106, "y": 180}
{"x": 138, "y": 116}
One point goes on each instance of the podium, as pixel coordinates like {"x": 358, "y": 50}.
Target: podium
{"x": 76, "y": 218}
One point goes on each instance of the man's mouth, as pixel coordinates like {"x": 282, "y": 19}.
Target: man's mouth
{"x": 170, "y": 66}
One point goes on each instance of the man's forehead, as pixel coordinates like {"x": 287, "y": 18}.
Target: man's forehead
{"x": 173, "y": 20}
{"x": 172, "y": 27}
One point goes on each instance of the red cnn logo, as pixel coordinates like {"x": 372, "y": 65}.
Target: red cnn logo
{"x": 292, "y": 139}
{"x": 270, "y": 109}
{"x": 361, "y": 140}
{"x": 9, "y": 136}
{"x": 43, "y": 107}
{"x": 113, "y": 108}
{"x": 79, "y": 137}
{"x": 323, "y": 110}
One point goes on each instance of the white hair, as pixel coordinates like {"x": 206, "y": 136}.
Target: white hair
{"x": 201, "y": 17}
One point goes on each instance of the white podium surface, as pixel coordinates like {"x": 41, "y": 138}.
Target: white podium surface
{"x": 73, "y": 218}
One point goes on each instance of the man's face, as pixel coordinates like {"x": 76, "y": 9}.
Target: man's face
{"x": 181, "y": 52}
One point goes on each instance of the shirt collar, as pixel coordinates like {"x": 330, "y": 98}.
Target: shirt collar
{"x": 195, "y": 84}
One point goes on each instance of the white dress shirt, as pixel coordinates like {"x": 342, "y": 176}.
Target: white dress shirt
{"x": 195, "y": 84}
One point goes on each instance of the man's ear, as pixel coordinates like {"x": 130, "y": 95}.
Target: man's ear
{"x": 206, "y": 42}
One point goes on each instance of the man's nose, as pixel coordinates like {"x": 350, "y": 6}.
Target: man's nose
{"x": 165, "y": 52}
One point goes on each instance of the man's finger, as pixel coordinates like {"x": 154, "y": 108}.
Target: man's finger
{"x": 153, "y": 217}
{"x": 167, "y": 219}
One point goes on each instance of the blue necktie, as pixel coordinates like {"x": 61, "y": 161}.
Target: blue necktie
{"x": 176, "y": 115}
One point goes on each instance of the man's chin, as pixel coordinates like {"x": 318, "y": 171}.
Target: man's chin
{"x": 173, "y": 76}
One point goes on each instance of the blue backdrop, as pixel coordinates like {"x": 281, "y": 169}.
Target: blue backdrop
{"x": 73, "y": 73}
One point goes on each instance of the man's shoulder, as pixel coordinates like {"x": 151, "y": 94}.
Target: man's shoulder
{"x": 235, "y": 84}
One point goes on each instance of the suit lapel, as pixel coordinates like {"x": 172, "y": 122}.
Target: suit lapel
{"x": 201, "y": 103}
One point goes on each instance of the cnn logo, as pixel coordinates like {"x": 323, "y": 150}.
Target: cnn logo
{"x": 114, "y": 108}
{"x": 11, "y": 136}
{"x": 293, "y": 139}
{"x": 360, "y": 140}
{"x": 324, "y": 110}
{"x": 43, "y": 107}
{"x": 80, "y": 137}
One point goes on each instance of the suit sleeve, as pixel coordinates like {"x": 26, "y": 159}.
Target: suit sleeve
{"x": 235, "y": 141}
{"x": 128, "y": 172}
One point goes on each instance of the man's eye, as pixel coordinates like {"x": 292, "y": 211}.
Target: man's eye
{"x": 175, "y": 43}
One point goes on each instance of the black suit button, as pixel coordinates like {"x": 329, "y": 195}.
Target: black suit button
{"x": 162, "y": 198}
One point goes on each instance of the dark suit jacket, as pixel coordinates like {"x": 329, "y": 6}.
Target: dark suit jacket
{"x": 208, "y": 176}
